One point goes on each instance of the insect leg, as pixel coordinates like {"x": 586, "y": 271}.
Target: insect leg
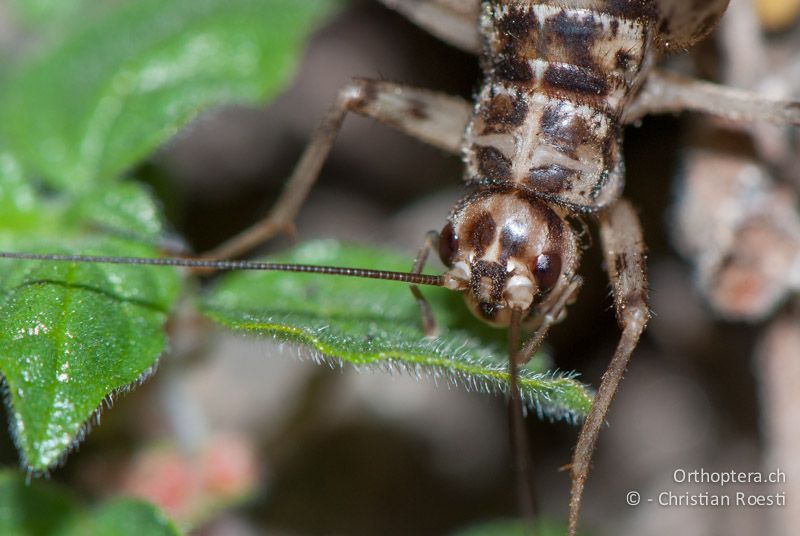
{"x": 551, "y": 312}
{"x": 453, "y": 21}
{"x": 623, "y": 247}
{"x": 428, "y": 321}
{"x": 670, "y": 93}
{"x": 432, "y": 117}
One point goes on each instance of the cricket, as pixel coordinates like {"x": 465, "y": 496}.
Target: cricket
{"x": 542, "y": 149}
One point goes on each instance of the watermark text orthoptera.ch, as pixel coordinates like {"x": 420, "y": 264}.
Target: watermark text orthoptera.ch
{"x": 695, "y": 497}
{"x": 724, "y": 478}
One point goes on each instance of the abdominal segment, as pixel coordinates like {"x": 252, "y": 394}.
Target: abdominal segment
{"x": 547, "y": 118}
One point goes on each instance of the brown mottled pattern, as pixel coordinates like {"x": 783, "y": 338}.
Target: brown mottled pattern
{"x": 585, "y": 85}
{"x": 492, "y": 163}
{"x": 480, "y": 232}
{"x": 502, "y": 113}
{"x": 552, "y": 178}
{"x": 564, "y": 131}
{"x": 558, "y": 75}
{"x": 496, "y": 276}
{"x": 495, "y": 226}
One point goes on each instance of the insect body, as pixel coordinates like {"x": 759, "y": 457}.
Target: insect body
{"x": 547, "y": 120}
{"x": 542, "y": 147}
{"x": 545, "y": 132}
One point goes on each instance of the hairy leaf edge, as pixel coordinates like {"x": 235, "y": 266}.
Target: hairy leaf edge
{"x": 92, "y": 420}
{"x": 539, "y": 388}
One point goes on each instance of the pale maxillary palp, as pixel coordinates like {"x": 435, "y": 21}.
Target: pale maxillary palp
{"x": 457, "y": 278}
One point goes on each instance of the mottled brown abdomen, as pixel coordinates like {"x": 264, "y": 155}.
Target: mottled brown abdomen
{"x": 557, "y": 79}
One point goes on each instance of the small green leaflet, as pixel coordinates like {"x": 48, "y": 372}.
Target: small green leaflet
{"x": 74, "y": 334}
{"x": 376, "y": 324}
{"x": 108, "y": 92}
{"x": 44, "y": 509}
{"x": 110, "y": 82}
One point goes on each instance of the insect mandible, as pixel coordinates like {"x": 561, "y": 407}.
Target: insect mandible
{"x": 542, "y": 148}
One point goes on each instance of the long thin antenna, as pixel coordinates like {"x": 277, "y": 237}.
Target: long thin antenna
{"x": 405, "y": 277}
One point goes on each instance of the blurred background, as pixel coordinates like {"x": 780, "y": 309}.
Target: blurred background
{"x": 239, "y": 436}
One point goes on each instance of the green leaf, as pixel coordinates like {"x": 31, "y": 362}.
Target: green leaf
{"x": 370, "y": 323}
{"x": 74, "y": 334}
{"x": 112, "y": 90}
{"x": 18, "y": 203}
{"x": 124, "y": 517}
{"x": 44, "y": 12}
{"x": 44, "y": 509}
{"x": 35, "y": 508}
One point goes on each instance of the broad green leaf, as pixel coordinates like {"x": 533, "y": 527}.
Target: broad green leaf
{"x": 125, "y": 209}
{"x": 42, "y": 12}
{"x": 112, "y": 90}
{"x": 371, "y": 323}
{"x": 74, "y": 334}
{"x": 44, "y": 509}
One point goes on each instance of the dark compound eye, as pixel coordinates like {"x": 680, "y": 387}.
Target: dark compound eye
{"x": 448, "y": 244}
{"x": 547, "y": 270}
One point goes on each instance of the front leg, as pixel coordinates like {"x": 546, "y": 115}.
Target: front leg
{"x": 434, "y": 118}
{"x": 547, "y": 314}
{"x": 623, "y": 249}
{"x": 428, "y": 321}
